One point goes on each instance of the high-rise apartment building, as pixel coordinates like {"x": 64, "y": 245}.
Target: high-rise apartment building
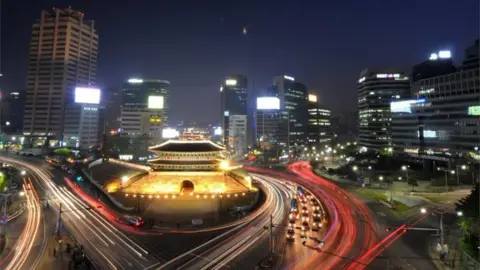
{"x": 63, "y": 55}
{"x": 441, "y": 122}
{"x": 233, "y": 101}
{"x": 293, "y": 103}
{"x": 375, "y": 91}
{"x": 144, "y": 109}
{"x": 319, "y": 123}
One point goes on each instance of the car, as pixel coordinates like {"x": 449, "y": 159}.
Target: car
{"x": 305, "y": 226}
{"x": 316, "y": 226}
{"x": 304, "y": 210}
{"x": 135, "y": 221}
{"x": 290, "y": 234}
{"x": 316, "y": 212}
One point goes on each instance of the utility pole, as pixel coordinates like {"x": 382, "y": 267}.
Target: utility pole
{"x": 441, "y": 230}
{"x": 272, "y": 246}
{"x": 59, "y": 222}
{"x": 5, "y": 216}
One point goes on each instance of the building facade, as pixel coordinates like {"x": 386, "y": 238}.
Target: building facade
{"x": 11, "y": 112}
{"x": 233, "y": 101}
{"x": 375, "y": 91}
{"x": 238, "y": 135}
{"x": 63, "y": 54}
{"x": 442, "y": 121}
{"x": 144, "y": 109}
{"x": 319, "y": 124}
{"x": 81, "y": 127}
{"x": 293, "y": 102}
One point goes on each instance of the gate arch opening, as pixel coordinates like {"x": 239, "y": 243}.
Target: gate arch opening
{"x": 187, "y": 186}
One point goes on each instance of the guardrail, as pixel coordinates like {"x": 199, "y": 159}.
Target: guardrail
{"x": 468, "y": 262}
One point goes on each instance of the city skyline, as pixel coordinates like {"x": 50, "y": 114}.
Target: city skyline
{"x": 327, "y": 64}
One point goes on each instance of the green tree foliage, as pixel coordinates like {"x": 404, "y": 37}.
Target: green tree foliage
{"x": 65, "y": 152}
{"x": 470, "y": 204}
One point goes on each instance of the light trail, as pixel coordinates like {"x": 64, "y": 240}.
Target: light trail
{"x": 23, "y": 246}
{"x": 110, "y": 248}
{"x": 224, "y": 248}
{"x": 344, "y": 237}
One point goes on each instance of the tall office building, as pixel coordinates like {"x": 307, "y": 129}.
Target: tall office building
{"x": 144, "y": 108}
{"x": 238, "y": 135}
{"x": 270, "y": 126}
{"x": 113, "y": 105}
{"x": 11, "y": 112}
{"x": 233, "y": 101}
{"x": 441, "y": 122}
{"x": 293, "y": 103}
{"x": 319, "y": 123}
{"x": 63, "y": 55}
{"x": 375, "y": 91}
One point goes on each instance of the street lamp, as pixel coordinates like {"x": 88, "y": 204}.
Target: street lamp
{"x": 124, "y": 179}
{"x": 380, "y": 178}
{"x": 23, "y": 172}
{"x": 446, "y": 175}
{"x": 463, "y": 167}
{"x": 355, "y": 168}
{"x": 405, "y": 168}
{"x": 224, "y": 165}
{"x": 423, "y": 210}
{"x": 21, "y": 193}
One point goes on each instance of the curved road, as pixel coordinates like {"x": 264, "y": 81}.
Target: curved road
{"x": 352, "y": 228}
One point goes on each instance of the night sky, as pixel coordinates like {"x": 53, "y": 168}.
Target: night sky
{"x": 194, "y": 44}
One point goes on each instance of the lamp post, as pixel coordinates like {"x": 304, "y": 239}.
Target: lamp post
{"x": 446, "y": 176}
{"x": 424, "y": 210}
{"x": 4, "y": 218}
{"x": 463, "y": 167}
{"x": 405, "y": 168}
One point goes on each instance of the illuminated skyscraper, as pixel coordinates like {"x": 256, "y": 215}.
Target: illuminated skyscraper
{"x": 293, "y": 103}
{"x": 233, "y": 101}
{"x": 144, "y": 108}
{"x": 63, "y": 55}
{"x": 375, "y": 91}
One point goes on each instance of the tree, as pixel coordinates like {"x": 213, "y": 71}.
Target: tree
{"x": 470, "y": 204}
{"x": 470, "y": 225}
{"x": 65, "y": 152}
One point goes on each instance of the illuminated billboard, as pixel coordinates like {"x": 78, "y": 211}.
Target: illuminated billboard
{"x": 155, "y": 102}
{"x": 404, "y": 106}
{"x": 231, "y": 82}
{"x": 474, "y": 110}
{"x": 217, "y": 131}
{"x": 170, "y": 133}
{"x": 312, "y": 98}
{"x": 268, "y": 103}
{"x": 87, "y": 95}
{"x": 135, "y": 80}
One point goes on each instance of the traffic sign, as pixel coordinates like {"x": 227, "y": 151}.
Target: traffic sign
{"x": 4, "y": 219}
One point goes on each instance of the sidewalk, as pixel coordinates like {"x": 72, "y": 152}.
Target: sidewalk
{"x": 453, "y": 257}
{"x": 58, "y": 255}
